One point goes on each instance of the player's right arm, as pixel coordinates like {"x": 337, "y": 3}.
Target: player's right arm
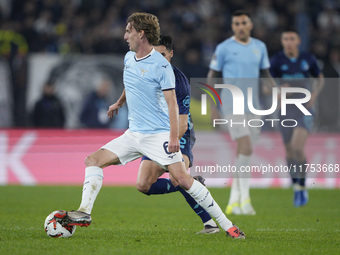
{"x": 268, "y": 81}
{"x": 265, "y": 72}
{"x": 183, "y": 100}
{"x": 214, "y": 113}
{"x": 183, "y": 125}
{"x": 216, "y": 66}
{"x": 170, "y": 98}
{"x": 320, "y": 81}
{"x": 167, "y": 82}
{"x": 317, "y": 87}
{"x": 113, "y": 109}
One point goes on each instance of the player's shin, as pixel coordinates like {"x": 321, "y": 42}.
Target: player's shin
{"x": 293, "y": 170}
{"x": 302, "y": 177}
{"x": 244, "y": 176}
{"x": 239, "y": 200}
{"x": 244, "y": 181}
{"x": 161, "y": 186}
{"x": 300, "y": 193}
{"x": 235, "y": 192}
{"x": 203, "y": 197}
{"x": 205, "y": 217}
{"x": 91, "y": 187}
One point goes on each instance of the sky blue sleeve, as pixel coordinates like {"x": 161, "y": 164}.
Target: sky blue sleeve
{"x": 217, "y": 60}
{"x": 265, "y": 64}
{"x": 314, "y": 67}
{"x": 167, "y": 77}
{"x": 127, "y": 56}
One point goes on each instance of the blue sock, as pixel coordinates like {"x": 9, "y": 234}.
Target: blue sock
{"x": 161, "y": 186}
{"x": 294, "y": 170}
{"x": 302, "y": 179}
{"x": 195, "y": 206}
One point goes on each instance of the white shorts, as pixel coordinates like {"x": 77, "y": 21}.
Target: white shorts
{"x": 238, "y": 126}
{"x": 133, "y": 145}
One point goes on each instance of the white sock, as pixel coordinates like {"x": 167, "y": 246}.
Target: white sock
{"x": 297, "y": 187}
{"x": 91, "y": 187}
{"x": 210, "y": 222}
{"x": 235, "y": 190}
{"x": 203, "y": 197}
{"x": 244, "y": 181}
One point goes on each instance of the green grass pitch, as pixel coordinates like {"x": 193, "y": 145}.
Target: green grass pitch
{"x": 127, "y": 222}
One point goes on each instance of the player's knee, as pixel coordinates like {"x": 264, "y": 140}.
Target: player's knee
{"x": 289, "y": 153}
{"x": 143, "y": 187}
{"x": 297, "y": 153}
{"x": 173, "y": 181}
{"x": 249, "y": 151}
{"x": 91, "y": 161}
{"x": 246, "y": 150}
{"x": 184, "y": 183}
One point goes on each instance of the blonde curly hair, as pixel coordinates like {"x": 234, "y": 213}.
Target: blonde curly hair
{"x": 148, "y": 23}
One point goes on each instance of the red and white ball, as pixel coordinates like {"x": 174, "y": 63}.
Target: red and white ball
{"x": 54, "y": 229}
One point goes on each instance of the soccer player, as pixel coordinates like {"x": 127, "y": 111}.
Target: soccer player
{"x": 241, "y": 56}
{"x": 291, "y": 64}
{"x": 153, "y": 125}
{"x": 147, "y": 179}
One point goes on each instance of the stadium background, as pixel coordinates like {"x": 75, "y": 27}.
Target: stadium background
{"x": 75, "y": 43}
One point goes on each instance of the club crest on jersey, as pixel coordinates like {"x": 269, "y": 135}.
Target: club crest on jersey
{"x": 256, "y": 52}
{"x": 143, "y": 72}
{"x": 186, "y": 101}
{"x": 304, "y": 65}
{"x": 284, "y": 67}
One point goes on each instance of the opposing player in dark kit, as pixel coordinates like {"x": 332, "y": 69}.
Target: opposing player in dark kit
{"x": 292, "y": 66}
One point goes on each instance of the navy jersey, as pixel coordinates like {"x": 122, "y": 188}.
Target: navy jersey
{"x": 291, "y": 70}
{"x": 183, "y": 98}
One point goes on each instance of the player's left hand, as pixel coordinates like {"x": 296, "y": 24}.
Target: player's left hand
{"x": 173, "y": 145}
{"x": 113, "y": 109}
{"x": 311, "y": 102}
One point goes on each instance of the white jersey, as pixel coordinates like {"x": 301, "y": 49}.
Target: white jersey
{"x": 145, "y": 80}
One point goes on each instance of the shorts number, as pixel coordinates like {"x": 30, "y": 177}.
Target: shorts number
{"x": 182, "y": 142}
{"x": 165, "y": 146}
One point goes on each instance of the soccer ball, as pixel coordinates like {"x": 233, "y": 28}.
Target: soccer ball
{"x": 54, "y": 229}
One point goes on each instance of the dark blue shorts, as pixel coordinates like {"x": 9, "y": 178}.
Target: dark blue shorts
{"x": 304, "y": 121}
{"x": 186, "y": 144}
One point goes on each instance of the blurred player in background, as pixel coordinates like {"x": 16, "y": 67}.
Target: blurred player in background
{"x": 48, "y": 110}
{"x": 291, "y": 65}
{"x": 147, "y": 180}
{"x": 149, "y": 92}
{"x": 242, "y": 59}
{"x": 94, "y": 111}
